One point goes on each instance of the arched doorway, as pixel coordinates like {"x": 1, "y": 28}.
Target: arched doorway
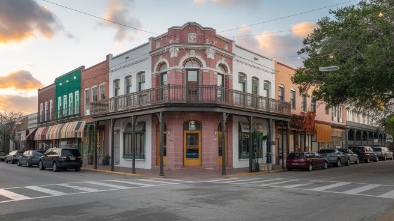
{"x": 192, "y": 143}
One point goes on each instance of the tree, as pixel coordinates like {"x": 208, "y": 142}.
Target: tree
{"x": 9, "y": 122}
{"x": 359, "y": 40}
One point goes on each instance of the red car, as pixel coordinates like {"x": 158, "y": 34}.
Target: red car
{"x": 306, "y": 160}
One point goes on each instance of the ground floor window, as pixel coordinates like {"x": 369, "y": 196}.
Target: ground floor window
{"x": 244, "y": 141}
{"x": 139, "y": 141}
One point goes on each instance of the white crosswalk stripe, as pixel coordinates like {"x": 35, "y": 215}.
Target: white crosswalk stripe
{"x": 52, "y": 190}
{"x": 348, "y": 188}
{"x": 12, "y": 195}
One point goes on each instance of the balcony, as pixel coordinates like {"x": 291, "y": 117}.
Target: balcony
{"x": 181, "y": 95}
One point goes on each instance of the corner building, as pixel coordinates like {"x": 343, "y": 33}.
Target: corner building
{"x": 194, "y": 99}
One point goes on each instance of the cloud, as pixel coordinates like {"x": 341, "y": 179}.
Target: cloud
{"x": 199, "y": 1}
{"x": 20, "y": 80}
{"x": 118, "y": 11}
{"x": 272, "y": 45}
{"x": 26, "y": 105}
{"x": 20, "y": 20}
{"x": 303, "y": 29}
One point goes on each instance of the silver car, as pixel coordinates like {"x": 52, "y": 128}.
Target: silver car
{"x": 352, "y": 157}
{"x": 334, "y": 156}
{"x": 383, "y": 153}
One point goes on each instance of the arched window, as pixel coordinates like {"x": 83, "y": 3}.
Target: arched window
{"x": 192, "y": 64}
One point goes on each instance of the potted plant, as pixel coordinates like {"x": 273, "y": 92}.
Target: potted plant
{"x": 106, "y": 159}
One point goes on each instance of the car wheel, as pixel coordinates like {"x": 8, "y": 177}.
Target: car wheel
{"x": 357, "y": 161}
{"x": 55, "y": 167}
{"x": 348, "y": 162}
{"x": 367, "y": 160}
{"x": 77, "y": 169}
{"x": 310, "y": 167}
{"x": 325, "y": 166}
{"x": 28, "y": 164}
{"x": 339, "y": 162}
{"x": 5, "y": 161}
{"x": 40, "y": 165}
{"x": 18, "y": 163}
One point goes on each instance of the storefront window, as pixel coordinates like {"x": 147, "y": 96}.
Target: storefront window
{"x": 139, "y": 141}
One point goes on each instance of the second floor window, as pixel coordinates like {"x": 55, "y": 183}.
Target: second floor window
{"x": 141, "y": 81}
{"x": 267, "y": 90}
{"x": 116, "y": 88}
{"x": 281, "y": 93}
{"x": 87, "y": 97}
{"x": 242, "y": 81}
{"x": 304, "y": 103}
{"x": 127, "y": 82}
{"x": 50, "y": 109}
{"x": 293, "y": 99}
{"x": 46, "y": 110}
{"x": 41, "y": 112}
{"x": 102, "y": 91}
{"x": 255, "y": 85}
{"x": 94, "y": 94}
{"x": 313, "y": 104}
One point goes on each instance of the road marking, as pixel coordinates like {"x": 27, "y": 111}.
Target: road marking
{"x": 85, "y": 189}
{"x": 156, "y": 181}
{"x": 388, "y": 194}
{"x": 44, "y": 190}
{"x": 237, "y": 180}
{"x": 132, "y": 183}
{"x": 12, "y": 195}
{"x": 297, "y": 185}
{"x": 260, "y": 181}
{"x": 322, "y": 188}
{"x": 108, "y": 185}
{"x": 221, "y": 180}
{"x": 361, "y": 189}
{"x": 273, "y": 184}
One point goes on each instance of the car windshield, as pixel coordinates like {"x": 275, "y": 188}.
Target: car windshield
{"x": 37, "y": 154}
{"x": 326, "y": 151}
{"x": 68, "y": 152}
{"x": 295, "y": 155}
{"x": 377, "y": 149}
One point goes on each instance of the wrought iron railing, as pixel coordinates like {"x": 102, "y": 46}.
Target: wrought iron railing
{"x": 192, "y": 95}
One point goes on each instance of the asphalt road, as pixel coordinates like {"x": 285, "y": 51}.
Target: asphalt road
{"x": 357, "y": 192}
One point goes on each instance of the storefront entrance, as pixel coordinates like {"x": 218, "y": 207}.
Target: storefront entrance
{"x": 220, "y": 148}
{"x": 192, "y": 148}
{"x": 158, "y": 149}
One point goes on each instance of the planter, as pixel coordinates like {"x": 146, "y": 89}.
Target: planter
{"x": 105, "y": 162}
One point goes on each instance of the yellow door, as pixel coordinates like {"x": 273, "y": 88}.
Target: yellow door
{"x": 192, "y": 148}
{"x": 158, "y": 149}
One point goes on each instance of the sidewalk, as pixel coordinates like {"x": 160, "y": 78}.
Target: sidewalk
{"x": 183, "y": 174}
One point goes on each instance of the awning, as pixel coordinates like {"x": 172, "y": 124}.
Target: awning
{"x": 72, "y": 129}
{"x": 54, "y": 132}
{"x": 323, "y": 133}
{"x": 31, "y": 134}
{"x": 41, "y": 133}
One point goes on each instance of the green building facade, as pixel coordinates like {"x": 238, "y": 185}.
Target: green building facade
{"x": 68, "y": 95}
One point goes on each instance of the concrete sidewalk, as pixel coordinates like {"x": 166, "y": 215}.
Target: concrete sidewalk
{"x": 183, "y": 174}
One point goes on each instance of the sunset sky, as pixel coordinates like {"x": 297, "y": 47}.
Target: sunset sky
{"x": 43, "y": 39}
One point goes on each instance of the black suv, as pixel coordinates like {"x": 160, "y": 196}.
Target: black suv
{"x": 61, "y": 158}
{"x": 365, "y": 153}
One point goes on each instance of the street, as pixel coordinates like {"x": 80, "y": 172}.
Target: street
{"x": 356, "y": 192}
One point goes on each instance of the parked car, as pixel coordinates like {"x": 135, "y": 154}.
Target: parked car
{"x": 383, "y": 153}
{"x": 30, "y": 158}
{"x": 60, "y": 158}
{"x": 352, "y": 157}
{"x": 365, "y": 153}
{"x": 12, "y": 156}
{"x": 305, "y": 160}
{"x": 334, "y": 156}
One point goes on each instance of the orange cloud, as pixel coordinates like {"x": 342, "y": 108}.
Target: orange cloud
{"x": 118, "y": 11}
{"x": 26, "y": 105}
{"x": 22, "y": 19}
{"x": 303, "y": 29}
{"x": 199, "y": 1}
{"x": 273, "y": 45}
{"x": 21, "y": 80}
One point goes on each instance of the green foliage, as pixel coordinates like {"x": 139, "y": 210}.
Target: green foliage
{"x": 388, "y": 125}
{"x": 359, "y": 40}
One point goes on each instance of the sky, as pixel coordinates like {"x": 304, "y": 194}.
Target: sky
{"x": 44, "y": 39}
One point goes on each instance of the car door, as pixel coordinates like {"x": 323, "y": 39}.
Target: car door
{"x": 22, "y": 158}
{"x": 353, "y": 157}
{"x": 45, "y": 159}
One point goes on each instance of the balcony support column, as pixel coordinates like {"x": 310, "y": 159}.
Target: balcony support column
{"x": 95, "y": 143}
{"x": 113, "y": 121}
{"x": 161, "y": 115}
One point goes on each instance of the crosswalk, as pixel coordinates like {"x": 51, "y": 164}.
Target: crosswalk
{"x": 349, "y": 188}
{"x": 62, "y": 189}
{"x": 52, "y": 190}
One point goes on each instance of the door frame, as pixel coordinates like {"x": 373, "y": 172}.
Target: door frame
{"x": 158, "y": 149}
{"x": 192, "y": 161}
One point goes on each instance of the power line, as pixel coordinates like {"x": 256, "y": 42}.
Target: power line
{"x": 288, "y": 16}
{"x": 127, "y": 26}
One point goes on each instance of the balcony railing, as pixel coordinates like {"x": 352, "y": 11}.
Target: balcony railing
{"x": 189, "y": 95}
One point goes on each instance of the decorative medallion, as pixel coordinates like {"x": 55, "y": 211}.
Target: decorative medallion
{"x": 192, "y": 38}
